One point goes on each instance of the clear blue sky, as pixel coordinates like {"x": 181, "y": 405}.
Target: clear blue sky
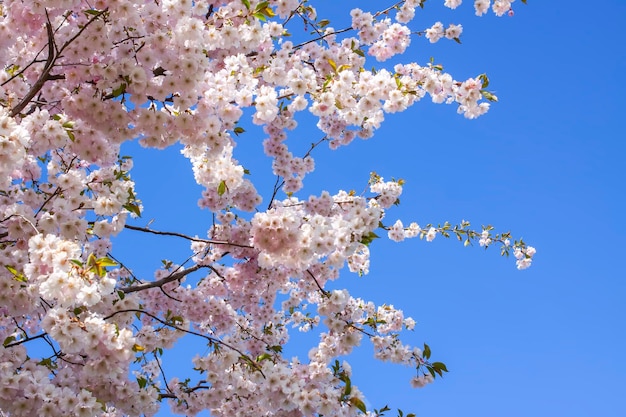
{"x": 546, "y": 163}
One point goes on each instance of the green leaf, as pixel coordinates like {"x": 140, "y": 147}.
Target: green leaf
{"x": 439, "y": 365}
{"x": 323, "y": 23}
{"x": 426, "y": 351}
{"x": 489, "y": 96}
{"x": 221, "y": 189}
{"x": 358, "y": 403}
{"x": 93, "y": 12}
{"x": 238, "y": 130}
{"x": 47, "y": 362}
{"x": 263, "y": 11}
{"x": 98, "y": 265}
{"x": 369, "y": 238}
{"x": 262, "y": 5}
{"x": 269, "y": 12}
{"x": 343, "y": 67}
{"x": 246, "y": 3}
{"x": 141, "y": 381}
{"x": 18, "y": 276}
{"x": 332, "y": 64}
{"x": 119, "y": 90}
{"x": 12, "y": 70}
{"x": 484, "y": 79}
{"x": 9, "y": 340}
{"x": 105, "y": 261}
{"x": 348, "y": 388}
{"x": 133, "y": 208}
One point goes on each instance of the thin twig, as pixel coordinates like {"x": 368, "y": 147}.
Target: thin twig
{"x": 209, "y": 338}
{"x": 319, "y": 38}
{"x": 28, "y": 339}
{"x": 193, "y": 239}
{"x": 324, "y": 292}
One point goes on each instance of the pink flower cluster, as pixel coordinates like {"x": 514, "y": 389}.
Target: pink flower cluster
{"x": 79, "y": 79}
{"x": 296, "y": 235}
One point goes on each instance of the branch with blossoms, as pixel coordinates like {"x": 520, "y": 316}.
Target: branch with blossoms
{"x": 171, "y": 322}
{"x": 522, "y": 252}
{"x": 388, "y": 193}
{"x": 280, "y": 181}
{"x": 190, "y": 238}
{"x": 192, "y": 72}
{"x": 53, "y": 54}
{"x": 163, "y": 281}
{"x": 387, "y": 343}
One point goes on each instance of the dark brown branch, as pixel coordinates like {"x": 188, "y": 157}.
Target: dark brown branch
{"x": 173, "y": 326}
{"x": 193, "y": 239}
{"x": 163, "y": 281}
{"x": 319, "y": 38}
{"x": 50, "y": 62}
{"x": 27, "y": 339}
{"x": 186, "y": 391}
{"x": 43, "y": 77}
{"x": 324, "y": 292}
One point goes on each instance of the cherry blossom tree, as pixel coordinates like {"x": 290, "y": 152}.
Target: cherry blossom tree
{"x": 82, "y": 77}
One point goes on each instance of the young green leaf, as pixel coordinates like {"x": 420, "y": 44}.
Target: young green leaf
{"x": 358, "y": 403}
{"x": 426, "y": 351}
{"x": 221, "y": 189}
{"x": 8, "y": 340}
{"x": 133, "y": 208}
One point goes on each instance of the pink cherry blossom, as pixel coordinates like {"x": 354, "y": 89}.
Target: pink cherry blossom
{"x": 82, "y": 78}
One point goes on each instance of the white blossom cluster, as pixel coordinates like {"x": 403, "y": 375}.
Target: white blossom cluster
{"x": 80, "y": 78}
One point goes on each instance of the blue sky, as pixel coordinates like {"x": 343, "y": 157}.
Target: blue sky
{"x": 546, "y": 163}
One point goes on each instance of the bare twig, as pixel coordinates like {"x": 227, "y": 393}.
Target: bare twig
{"x": 324, "y": 292}
{"x": 319, "y": 38}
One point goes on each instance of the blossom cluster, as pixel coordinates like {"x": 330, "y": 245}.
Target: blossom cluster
{"x": 81, "y": 78}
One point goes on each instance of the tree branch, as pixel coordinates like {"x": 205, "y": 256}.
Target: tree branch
{"x": 50, "y": 62}
{"x": 27, "y": 339}
{"x": 170, "y": 278}
{"x": 193, "y": 239}
{"x": 245, "y": 357}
